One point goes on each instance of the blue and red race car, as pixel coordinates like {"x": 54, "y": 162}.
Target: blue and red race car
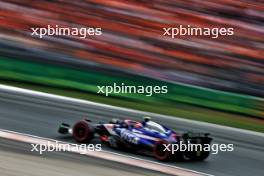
{"x": 146, "y": 137}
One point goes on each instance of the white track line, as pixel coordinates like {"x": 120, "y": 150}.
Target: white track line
{"x": 128, "y": 160}
{"x": 75, "y": 100}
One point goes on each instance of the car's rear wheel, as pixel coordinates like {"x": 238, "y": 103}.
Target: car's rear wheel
{"x": 160, "y": 152}
{"x": 82, "y": 132}
{"x": 197, "y": 155}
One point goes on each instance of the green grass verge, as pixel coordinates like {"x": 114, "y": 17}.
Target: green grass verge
{"x": 179, "y": 110}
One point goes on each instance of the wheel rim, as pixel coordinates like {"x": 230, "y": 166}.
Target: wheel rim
{"x": 80, "y": 131}
{"x": 159, "y": 151}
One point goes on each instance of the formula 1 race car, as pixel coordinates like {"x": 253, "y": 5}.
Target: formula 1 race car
{"x": 147, "y": 136}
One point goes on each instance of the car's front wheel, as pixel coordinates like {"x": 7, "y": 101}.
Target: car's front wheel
{"x": 82, "y": 131}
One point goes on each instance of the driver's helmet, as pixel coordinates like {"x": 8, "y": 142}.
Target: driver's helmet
{"x": 146, "y": 118}
{"x": 115, "y": 121}
{"x": 123, "y": 124}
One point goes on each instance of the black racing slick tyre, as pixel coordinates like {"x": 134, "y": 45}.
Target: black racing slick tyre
{"x": 82, "y": 132}
{"x": 197, "y": 155}
{"x": 160, "y": 152}
{"x": 200, "y": 141}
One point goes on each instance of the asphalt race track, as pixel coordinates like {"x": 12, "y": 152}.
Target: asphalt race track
{"x": 16, "y": 159}
{"x": 40, "y": 117}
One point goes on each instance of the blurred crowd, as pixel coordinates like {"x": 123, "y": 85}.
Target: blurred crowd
{"x": 132, "y": 40}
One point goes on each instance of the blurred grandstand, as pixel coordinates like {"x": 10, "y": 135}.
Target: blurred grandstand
{"x": 132, "y": 41}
